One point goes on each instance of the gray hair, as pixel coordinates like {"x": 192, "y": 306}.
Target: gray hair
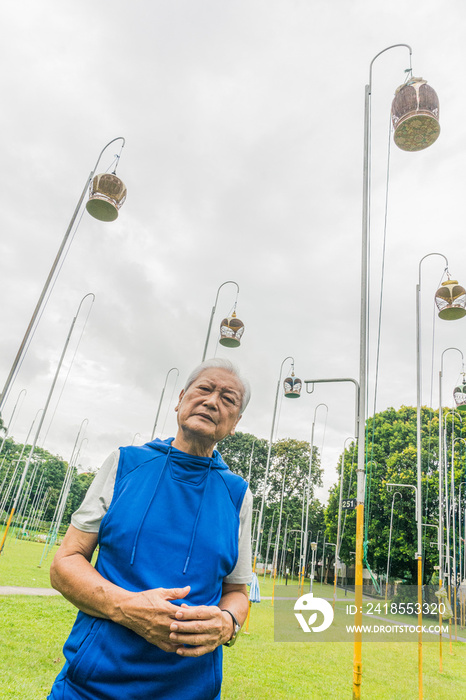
{"x": 220, "y": 363}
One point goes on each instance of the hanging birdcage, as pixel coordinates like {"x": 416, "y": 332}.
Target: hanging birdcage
{"x": 451, "y": 300}
{"x": 292, "y": 386}
{"x": 459, "y": 394}
{"x": 415, "y": 115}
{"x": 107, "y": 194}
{"x": 231, "y": 331}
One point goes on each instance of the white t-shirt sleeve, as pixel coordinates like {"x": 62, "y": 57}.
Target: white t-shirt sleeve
{"x": 242, "y": 573}
{"x": 98, "y": 497}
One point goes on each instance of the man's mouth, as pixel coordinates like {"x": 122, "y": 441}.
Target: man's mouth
{"x": 206, "y": 416}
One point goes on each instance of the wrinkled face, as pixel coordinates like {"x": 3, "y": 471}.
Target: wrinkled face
{"x": 210, "y": 407}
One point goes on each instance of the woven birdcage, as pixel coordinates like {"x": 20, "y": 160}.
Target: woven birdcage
{"x": 415, "y": 115}
{"x": 292, "y": 386}
{"x": 451, "y": 300}
{"x": 459, "y": 394}
{"x": 231, "y": 331}
{"x": 107, "y": 194}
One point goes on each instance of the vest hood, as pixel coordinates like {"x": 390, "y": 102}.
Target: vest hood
{"x": 183, "y": 459}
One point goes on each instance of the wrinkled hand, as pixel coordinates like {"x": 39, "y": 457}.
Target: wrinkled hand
{"x": 150, "y": 614}
{"x": 202, "y": 627}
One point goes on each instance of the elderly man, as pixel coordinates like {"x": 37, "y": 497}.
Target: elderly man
{"x": 169, "y": 586}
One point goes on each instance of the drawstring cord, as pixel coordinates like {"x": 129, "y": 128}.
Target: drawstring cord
{"x": 148, "y": 506}
{"x": 197, "y": 520}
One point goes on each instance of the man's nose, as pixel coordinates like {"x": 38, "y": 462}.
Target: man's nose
{"x": 211, "y": 400}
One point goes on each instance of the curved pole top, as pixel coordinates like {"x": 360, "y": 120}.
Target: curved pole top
{"x": 446, "y": 350}
{"x": 354, "y": 439}
{"x": 315, "y": 410}
{"x": 454, "y": 413}
{"x": 222, "y": 285}
{"x": 118, "y": 138}
{"x": 396, "y": 492}
{"x": 281, "y": 366}
{"x": 169, "y": 372}
{"x": 459, "y": 439}
{"x": 427, "y": 256}
{"x": 89, "y": 294}
{"x": 394, "y": 46}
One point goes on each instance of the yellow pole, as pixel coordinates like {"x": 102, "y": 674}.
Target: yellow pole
{"x": 357, "y": 659}
{"x": 440, "y": 633}
{"x": 419, "y": 622}
{"x": 334, "y": 584}
{"x": 449, "y": 621}
{"x": 7, "y": 528}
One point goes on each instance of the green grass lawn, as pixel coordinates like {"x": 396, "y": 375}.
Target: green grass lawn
{"x": 19, "y": 564}
{"x": 35, "y": 628}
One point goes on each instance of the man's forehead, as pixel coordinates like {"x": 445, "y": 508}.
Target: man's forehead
{"x": 223, "y": 378}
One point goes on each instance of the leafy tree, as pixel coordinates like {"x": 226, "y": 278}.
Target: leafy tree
{"x": 237, "y": 450}
{"x": 289, "y": 468}
{"x": 45, "y": 475}
{"x": 391, "y": 458}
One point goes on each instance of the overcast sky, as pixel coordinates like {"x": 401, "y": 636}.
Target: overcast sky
{"x": 243, "y": 122}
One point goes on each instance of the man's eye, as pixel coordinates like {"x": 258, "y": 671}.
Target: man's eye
{"x": 230, "y": 400}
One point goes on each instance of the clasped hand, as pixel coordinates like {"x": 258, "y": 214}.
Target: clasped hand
{"x": 151, "y": 615}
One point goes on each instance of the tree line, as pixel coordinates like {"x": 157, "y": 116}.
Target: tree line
{"x": 390, "y": 458}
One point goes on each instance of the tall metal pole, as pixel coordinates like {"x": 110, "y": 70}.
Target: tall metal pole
{"x": 306, "y": 525}
{"x": 22, "y": 347}
{"x": 340, "y": 503}
{"x": 213, "y": 313}
{"x": 419, "y": 461}
{"x": 161, "y": 399}
{"x": 440, "y": 468}
{"x": 269, "y": 539}
{"x": 41, "y": 421}
{"x": 357, "y": 657}
{"x": 277, "y": 538}
{"x": 268, "y": 455}
{"x": 453, "y": 503}
{"x": 10, "y": 423}
{"x": 282, "y": 565}
{"x": 4, "y": 502}
{"x": 390, "y": 544}
{"x": 250, "y": 463}
{"x": 313, "y": 547}
{"x": 460, "y": 516}
{"x": 323, "y": 563}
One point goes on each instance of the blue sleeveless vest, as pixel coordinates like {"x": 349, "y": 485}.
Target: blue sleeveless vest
{"x": 173, "y": 521}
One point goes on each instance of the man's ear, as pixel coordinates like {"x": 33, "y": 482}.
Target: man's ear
{"x": 232, "y": 431}
{"x": 179, "y": 399}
